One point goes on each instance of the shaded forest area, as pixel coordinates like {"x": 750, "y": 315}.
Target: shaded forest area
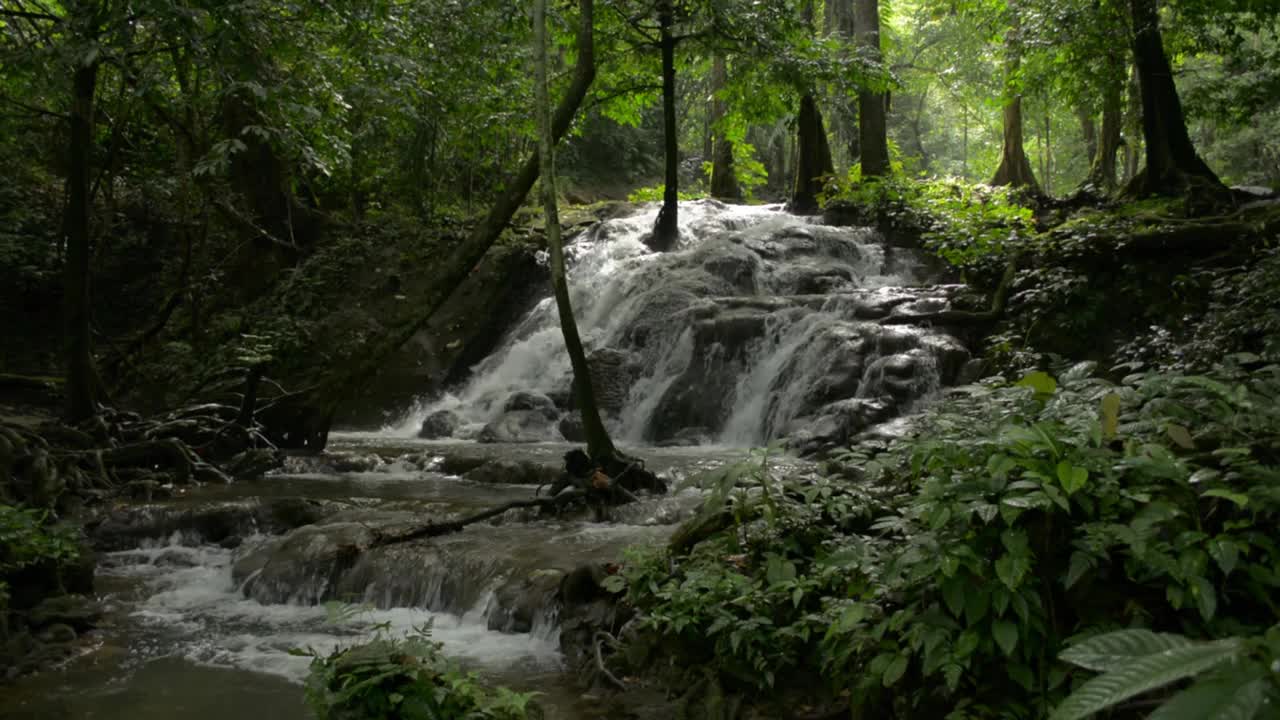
{"x": 226, "y": 228}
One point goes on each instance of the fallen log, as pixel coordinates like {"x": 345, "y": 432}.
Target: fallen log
{"x": 444, "y": 528}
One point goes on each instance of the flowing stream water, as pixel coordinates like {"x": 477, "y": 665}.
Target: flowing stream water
{"x": 761, "y": 325}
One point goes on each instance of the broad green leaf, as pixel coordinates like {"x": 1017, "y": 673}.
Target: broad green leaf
{"x": 1226, "y": 698}
{"x": 1180, "y": 436}
{"x": 1006, "y": 635}
{"x": 1081, "y": 563}
{"x": 1041, "y": 382}
{"x": 1235, "y": 497}
{"x": 1110, "y": 415}
{"x": 897, "y": 668}
{"x": 1206, "y": 597}
{"x": 1143, "y": 674}
{"x": 1114, "y": 649}
{"x": 1071, "y": 477}
{"x": 1225, "y": 553}
{"x": 953, "y": 595}
{"x": 1011, "y": 569}
{"x": 851, "y": 616}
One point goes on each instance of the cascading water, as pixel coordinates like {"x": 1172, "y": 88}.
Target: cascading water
{"x": 759, "y": 325}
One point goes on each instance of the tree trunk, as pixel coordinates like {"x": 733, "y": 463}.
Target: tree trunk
{"x": 724, "y": 184}
{"x": 1015, "y": 168}
{"x": 813, "y": 158}
{"x": 667, "y": 230}
{"x": 1171, "y": 158}
{"x": 315, "y": 410}
{"x": 82, "y": 378}
{"x": 871, "y": 105}
{"x": 599, "y": 445}
{"x": 1132, "y": 127}
{"x": 1088, "y": 133}
{"x": 1102, "y": 172}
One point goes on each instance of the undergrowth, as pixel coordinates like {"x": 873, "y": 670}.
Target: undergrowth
{"x": 405, "y": 678}
{"x": 1017, "y": 520}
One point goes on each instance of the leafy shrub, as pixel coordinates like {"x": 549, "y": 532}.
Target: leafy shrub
{"x": 405, "y": 679}
{"x": 963, "y": 223}
{"x": 26, "y": 540}
{"x": 653, "y": 193}
{"x": 1016, "y": 518}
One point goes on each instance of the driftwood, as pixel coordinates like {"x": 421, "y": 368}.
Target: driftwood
{"x": 444, "y": 528}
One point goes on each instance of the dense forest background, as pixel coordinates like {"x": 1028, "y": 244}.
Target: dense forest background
{"x": 194, "y": 158}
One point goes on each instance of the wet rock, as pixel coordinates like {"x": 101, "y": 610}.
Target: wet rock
{"x": 58, "y": 633}
{"x": 524, "y": 400}
{"x": 122, "y": 528}
{"x": 304, "y": 566}
{"x": 837, "y": 424}
{"x": 586, "y": 608}
{"x": 522, "y": 426}
{"x": 254, "y": 463}
{"x": 520, "y": 603}
{"x": 737, "y": 269}
{"x": 514, "y": 472}
{"x": 148, "y": 490}
{"x": 613, "y": 372}
{"x": 971, "y": 372}
{"x": 351, "y": 462}
{"x": 571, "y": 428}
{"x": 439, "y": 424}
{"x": 77, "y": 611}
{"x": 688, "y": 437}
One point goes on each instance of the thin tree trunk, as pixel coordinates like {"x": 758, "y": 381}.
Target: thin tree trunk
{"x": 871, "y": 105}
{"x": 451, "y": 273}
{"x": 667, "y": 230}
{"x": 1171, "y": 157}
{"x": 1088, "y": 133}
{"x": 1102, "y": 171}
{"x": 724, "y": 184}
{"x": 599, "y": 445}
{"x": 1048, "y": 151}
{"x": 1133, "y": 127}
{"x": 82, "y": 379}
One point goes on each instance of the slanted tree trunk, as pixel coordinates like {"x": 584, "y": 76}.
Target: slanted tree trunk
{"x": 82, "y": 379}
{"x": 872, "y": 106}
{"x": 312, "y": 412}
{"x": 1172, "y": 162}
{"x": 599, "y": 445}
{"x": 1015, "y": 168}
{"x": 724, "y": 183}
{"x": 667, "y": 230}
{"x": 813, "y": 158}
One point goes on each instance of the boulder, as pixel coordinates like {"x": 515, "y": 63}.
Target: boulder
{"x": 303, "y": 567}
{"x": 522, "y": 426}
{"x": 836, "y": 424}
{"x": 519, "y": 603}
{"x": 525, "y": 400}
{"x": 439, "y": 424}
{"x": 80, "y": 612}
{"x": 513, "y": 472}
{"x": 571, "y": 428}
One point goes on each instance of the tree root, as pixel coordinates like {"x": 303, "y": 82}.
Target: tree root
{"x": 597, "y": 640}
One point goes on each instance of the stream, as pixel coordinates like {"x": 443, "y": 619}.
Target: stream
{"x": 759, "y": 327}
{"x": 181, "y": 639}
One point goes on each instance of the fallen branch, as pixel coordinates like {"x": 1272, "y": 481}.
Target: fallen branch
{"x": 596, "y": 640}
{"x": 445, "y": 528}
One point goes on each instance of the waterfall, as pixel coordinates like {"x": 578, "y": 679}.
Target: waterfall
{"x": 759, "y": 325}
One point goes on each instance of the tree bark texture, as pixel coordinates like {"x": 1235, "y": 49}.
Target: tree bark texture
{"x": 872, "y": 130}
{"x": 813, "y": 158}
{"x": 82, "y": 378}
{"x": 1171, "y": 157}
{"x": 724, "y": 182}
{"x": 599, "y": 445}
{"x": 667, "y": 230}
{"x": 1015, "y": 168}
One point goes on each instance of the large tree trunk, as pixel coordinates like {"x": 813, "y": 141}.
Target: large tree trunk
{"x": 599, "y": 445}
{"x": 1133, "y": 127}
{"x": 667, "y": 230}
{"x": 314, "y": 411}
{"x": 1171, "y": 158}
{"x": 871, "y": 105}
{"x": 1015, "y": 168}
{"x": 82, "y": 378}
{"x": 724, "y": 183}
{"x": 813, "y": 158}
